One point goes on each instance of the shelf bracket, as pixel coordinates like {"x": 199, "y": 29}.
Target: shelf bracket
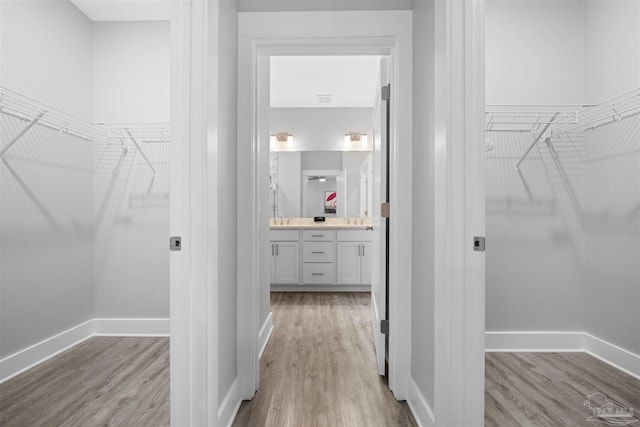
{"x": 535, "y": 141}
{"x": 140, "y": 150}
{"x": 31, "y": 124}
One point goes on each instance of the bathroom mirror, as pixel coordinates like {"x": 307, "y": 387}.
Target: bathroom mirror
{"x": 320, "y": 183}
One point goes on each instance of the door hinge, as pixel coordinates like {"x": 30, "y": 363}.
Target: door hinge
{"x": 384, "y": 327}
{"x": 175, "y": 243}
{"x": 385, "y": 210}
{"x": 386, "y": 92}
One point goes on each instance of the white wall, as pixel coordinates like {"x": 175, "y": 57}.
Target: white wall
{"x": 564, "y": 236}
{"x": 321, "y": 129}
{"x": 45, "y": 180}
{"x": 613, "y": 177}
{"x": 131, "y": 72}
{"x": 534, "y": 52}
{"x": 46, "y": 53}
{"x": 131, "y": 85}
{"x": 535, "y": 239}
{"x": 612, "y": 53}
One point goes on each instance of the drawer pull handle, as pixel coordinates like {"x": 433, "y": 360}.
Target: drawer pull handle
{"x": 317, "y": 274}
{"x": 317, "y": 235}
{"x": 317, "y": 252}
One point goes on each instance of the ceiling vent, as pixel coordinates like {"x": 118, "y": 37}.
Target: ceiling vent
{"x": 325, "y": 99}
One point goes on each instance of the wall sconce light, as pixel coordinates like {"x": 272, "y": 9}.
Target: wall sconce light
{"x": 355, "y": 139}
{"x": 281, "y": 139}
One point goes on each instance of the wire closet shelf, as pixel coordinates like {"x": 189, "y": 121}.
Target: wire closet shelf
{"x": 35, "y": 113}
{"x": 545, "y": 122}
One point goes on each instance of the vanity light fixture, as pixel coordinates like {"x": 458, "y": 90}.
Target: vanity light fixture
{"x": 355, "y": 139}
{"x": 281, "y": 139}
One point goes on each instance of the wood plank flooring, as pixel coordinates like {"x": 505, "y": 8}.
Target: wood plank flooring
{"x": 319, "y": 368}
{"x": 549, "y": 389}
{"x": 103, "y": 381}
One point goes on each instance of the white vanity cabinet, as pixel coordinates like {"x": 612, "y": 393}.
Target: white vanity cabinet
{"x": 285, "y": 257}
{"x": 354, "y": 257}
{"x": 320, "y": 259}
{"x": 318, "y": 256}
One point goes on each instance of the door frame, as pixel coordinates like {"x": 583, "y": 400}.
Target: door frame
{"x": 262, "y": 35}
{"x": 459, "y": 200}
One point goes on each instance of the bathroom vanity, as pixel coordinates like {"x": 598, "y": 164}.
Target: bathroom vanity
{"x": 334, "y": 255}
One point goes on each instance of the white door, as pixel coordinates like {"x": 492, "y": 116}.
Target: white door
{"x": 379, "y": 241}
{"x": 349, "y": 264}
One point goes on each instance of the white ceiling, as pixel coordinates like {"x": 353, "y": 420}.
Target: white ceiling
{"x": 125, "y": 10}
{"x": 296, "y": 81}
{"x": 317, "y": 5}
{"x": 159, "y": 10}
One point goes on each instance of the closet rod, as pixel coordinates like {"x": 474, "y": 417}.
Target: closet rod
{"x": 21, "y": 107}
{"x": 42, "y": 123}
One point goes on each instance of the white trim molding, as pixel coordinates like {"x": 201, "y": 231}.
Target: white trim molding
{"x": 265, "y": 333}
{"x": 320, "y": 288}
{"x": 534, "y": 341}
{"x": 44, "y": 350}
{"x": 262, "y": 35}
{"x": 419, "y": 406}
{"x": 459, "y": 205}
{"x": 230, "y": 405}
{"x": 31, "y": 356}
{"x": 613, "y": 355}
{"x": 131, "y": 327}
{"x": 563, "y": 342}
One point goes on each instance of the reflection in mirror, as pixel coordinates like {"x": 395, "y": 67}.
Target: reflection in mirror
{"x": 299, "y": 181}
{"x": 323, "y": 193}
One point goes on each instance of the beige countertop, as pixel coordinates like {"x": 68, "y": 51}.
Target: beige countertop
{"x": 308, "y": 224}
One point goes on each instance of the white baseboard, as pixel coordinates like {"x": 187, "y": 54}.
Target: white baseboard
{"x": 29, "y": 357}
{"x": 528, "y": 341}
{"x": 230, "y": 405}
{"x": 265, "y": 334}
{"x": 615, "y": 356}
{"x": 378, "y": 338}
{"x": 131, "y": 327}
{"x": 552, "y": 341}
{"x": 321, "y": 288}
{"x": 422, "y": 412}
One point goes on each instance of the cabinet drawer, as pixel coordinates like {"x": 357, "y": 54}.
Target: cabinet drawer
{"x": 354, "y": 236}
{"x": 318, "y": 235}
{"x": 318, "y": 273}
{"x": 284, "y": 235}
{"x": 318, "y": 252}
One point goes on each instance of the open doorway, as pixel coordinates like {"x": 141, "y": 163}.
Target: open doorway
{"x": 254, "y": 195}
{"x": 325, "y": 282}
{"x": 84, "y": 189}
{"x": 562, "y": 168}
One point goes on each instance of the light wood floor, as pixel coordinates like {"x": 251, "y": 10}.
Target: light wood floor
{"x": 319, "y": 368}
{"x": 549, "y": 389}
{"x": 103, "y": 381}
